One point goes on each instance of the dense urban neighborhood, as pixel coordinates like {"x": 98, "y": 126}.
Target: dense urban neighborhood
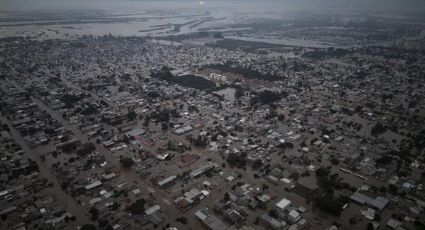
{"x": 214, "y": 129}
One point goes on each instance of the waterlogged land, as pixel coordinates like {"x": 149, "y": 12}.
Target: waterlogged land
{"x": 181, "y": 119}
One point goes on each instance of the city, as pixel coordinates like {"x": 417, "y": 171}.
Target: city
{"x": 205, "y": 119}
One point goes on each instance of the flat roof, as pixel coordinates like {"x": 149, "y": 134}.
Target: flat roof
{"x": 93, "y": 185}
{"x": 283, "y": 204}
{"x": 167, "y": 180}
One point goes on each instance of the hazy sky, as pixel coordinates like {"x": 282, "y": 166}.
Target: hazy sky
{"x": 399, "y": 6}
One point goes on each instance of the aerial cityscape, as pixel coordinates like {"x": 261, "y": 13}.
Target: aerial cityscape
{"x": 212, "y": 115}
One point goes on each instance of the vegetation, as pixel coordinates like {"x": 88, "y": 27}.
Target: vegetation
{"x": 226, "y": 196}
{"x": 266, "y": 97}
{"x": 325, "y": 200}
{"x": 88, "y": 227}
{"x": 245, "y": 72}
{"x": 384, "y": 160}
{"x": 190, "y": 81}
{"x": 182, "y": 220}
{"x": 131, "y": 115}
{"x": 86, "y": 149}
{"x": 201, "y": 141}
{"x": 126, "y": 162}
{"x": 378, "y": 129}
{"x": 330, "y": 52}
{"x": 137, "y": 207}
{"x": 238, "y": 160}
{"x": 419, "y": 225}
{"x": 70, "y": 100}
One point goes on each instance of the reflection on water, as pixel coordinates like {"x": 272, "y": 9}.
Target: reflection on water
{"x": 227, "y": 93}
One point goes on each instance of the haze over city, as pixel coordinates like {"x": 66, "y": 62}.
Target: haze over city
{"x": 212, "y": 114}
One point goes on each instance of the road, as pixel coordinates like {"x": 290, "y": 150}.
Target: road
{"x": 129, "y": 175}
{"x": 56, "y": 190}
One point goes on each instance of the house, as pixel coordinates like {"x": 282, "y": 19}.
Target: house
{"x": 364, "y": 196}
{"x": 282, "y": 205}
{"x": 93, "y": 185}
{"x": 183, "y": 203}
{"x": 194, "y": 194}
{"x": 201, "y": 170}
{"x": 394, "y": 224}
{"x": 183, "y": 130}
{"x": 135, "y": 133}
{"x": 210, "y": 220}
{"x": 167, "y": 181}
{"x": 233, "y": 216}
{"x": 293, "y": 216}
{"x": 272, "y": 222}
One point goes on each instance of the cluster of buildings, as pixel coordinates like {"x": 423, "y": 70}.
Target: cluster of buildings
{"x": 334, "y": 143}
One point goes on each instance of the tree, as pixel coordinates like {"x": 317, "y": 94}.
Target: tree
{"x": 164, "y": 126}
{"x": 329, "y": 205}
{"x": 126, "y": 162}
{"x": 257, "y": 164}
{"x": 131, "y": 115}
{"x": 88, "y": 227}
{"x": 70, "y": 100}
{"x": 137, "y": 207}
{"x": 226, "y": 196}
{"x": 201, "y": 141}
{"x": 94, "y": 213}
{"x": 266, "y": 97}
{"x": 378, "y": 129}
{"x": 182, "y": 220}
{"x": 392, "y": 189}
{"x": 384, "y": 160}
{"x": 86, "y": 149}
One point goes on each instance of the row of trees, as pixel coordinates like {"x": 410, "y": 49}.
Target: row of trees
{"x": 191, "y": 81}
{"x": 246, "y": 72}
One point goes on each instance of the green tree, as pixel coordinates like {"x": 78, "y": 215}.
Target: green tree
{"x": 137, "y": 207}
{"x": 88, "y": 227}
{"x": 126, "y": 162}
{"x": 131, "y": 115}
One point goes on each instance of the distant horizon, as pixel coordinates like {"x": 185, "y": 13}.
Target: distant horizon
{"x": 401, "y": 7}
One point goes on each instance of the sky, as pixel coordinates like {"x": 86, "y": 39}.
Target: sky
{"x": 368, "y": 6}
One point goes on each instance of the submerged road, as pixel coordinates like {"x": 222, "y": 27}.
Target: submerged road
{"x": 129, "y": 175}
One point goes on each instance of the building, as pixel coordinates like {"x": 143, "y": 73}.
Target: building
{"x": 201, "y": 170}
{"x": 293, "y": 216}
{"x": 135, "y": 133}
{"x": 364, "y": 197}
{"x": 183, "y": 130}
{"x": 93, "y": 185}
{"x": 210, "y": 220}
{"x": 271, "y": 222}
{"x": 282, "y": 205}
{"x": 167, "y": 181}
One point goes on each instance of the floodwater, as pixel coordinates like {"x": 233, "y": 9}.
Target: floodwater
{"x": 287, "y": 42}
{"x": 227, "y": 93}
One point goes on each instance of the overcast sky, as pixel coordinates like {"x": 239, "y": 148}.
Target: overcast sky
{"x": 370, "y": 6}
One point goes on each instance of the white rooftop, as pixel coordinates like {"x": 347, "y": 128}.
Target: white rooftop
{"x": 283, "y": 204}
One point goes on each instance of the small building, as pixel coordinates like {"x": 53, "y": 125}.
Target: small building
{"x": 271, "y": 222}
{"x": 201, "y": 170}
{"x": 293, "y": 216}
{"x": 135, "y": 133}
{"x": 194, "y": 194}
{"x": 209, "y": 220}
{"x": 93, "y": 185}
{"x": 183, "y": 130}
{"x": 364, "y": 197}
{"x": 283, "y": 204}
{"x": 394, "y": 224}
{"x": 167, "y": 181}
